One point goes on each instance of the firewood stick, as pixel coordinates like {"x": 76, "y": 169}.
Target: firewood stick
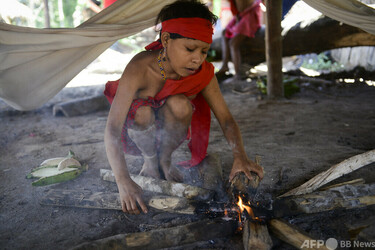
{"x": 166, "y": 237}
{"x": 290, "y": 234}
{"x": 100, "y": 200}
{"x": 256, "y": 236}
{"x": 336, "y": 171}
{"x": 164, "y": 187}
{"x": 347, "y": 197}
{"x": 243, "y": 185}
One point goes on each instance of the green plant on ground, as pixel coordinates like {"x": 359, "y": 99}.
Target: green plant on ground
{"x": 290, "y": 86}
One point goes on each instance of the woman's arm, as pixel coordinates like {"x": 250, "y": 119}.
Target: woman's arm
{"x": 130, "y": 192}
{"x": 241, "y": 163}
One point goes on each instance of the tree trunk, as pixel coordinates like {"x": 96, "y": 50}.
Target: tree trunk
{"x": 321, "y": 35}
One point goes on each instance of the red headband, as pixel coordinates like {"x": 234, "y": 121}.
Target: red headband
{"x": 191, "y": 27}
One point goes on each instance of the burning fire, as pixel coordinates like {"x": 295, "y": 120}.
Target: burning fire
{"x": 241, "y": 215}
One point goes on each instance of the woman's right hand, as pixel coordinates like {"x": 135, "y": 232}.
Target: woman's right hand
{"x": 130, "y": 195}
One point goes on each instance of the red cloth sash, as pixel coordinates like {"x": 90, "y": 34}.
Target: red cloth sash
{"x": 201, "y": 120}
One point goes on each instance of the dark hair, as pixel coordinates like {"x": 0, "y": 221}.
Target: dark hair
{"x": 186, "y": 8}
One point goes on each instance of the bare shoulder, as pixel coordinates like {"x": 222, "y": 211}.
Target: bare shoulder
{"x": 139, "y": 63}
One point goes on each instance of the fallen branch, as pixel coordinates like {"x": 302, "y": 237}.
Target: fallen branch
{"x": 166, "y": 237}
{"x": 342, "y": 197}
{"x": 336, "y": 171}
{"x": 100, "y": 200}
{"x": 290, "y": 234}
{"x": 164, "y": 187}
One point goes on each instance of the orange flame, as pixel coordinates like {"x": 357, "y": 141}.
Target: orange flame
{"x": 246, "y": 207}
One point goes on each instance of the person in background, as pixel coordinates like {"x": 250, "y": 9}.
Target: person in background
{"x": 247, "y": 19}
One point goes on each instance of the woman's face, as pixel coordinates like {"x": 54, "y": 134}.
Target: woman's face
{"x": 185, "y": 55}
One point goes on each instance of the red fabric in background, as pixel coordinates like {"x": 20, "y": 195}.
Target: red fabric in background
{"x": 107, "y": 3}
{"x": 249, "y": 23}
{"x": 233, "y": 7}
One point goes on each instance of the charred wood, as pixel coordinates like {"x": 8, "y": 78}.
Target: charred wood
{"x": 341, "y": 197}
{"x": 166, "y": 237}
{"x": 256, "y": 236}
{"x": 100, "y": 200}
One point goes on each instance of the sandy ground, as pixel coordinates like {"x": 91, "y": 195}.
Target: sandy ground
{"x": 296, "y": 138}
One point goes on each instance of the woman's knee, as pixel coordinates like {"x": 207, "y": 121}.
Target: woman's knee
{"x": 144, "y": 117}
{"x": 180, "y": 107}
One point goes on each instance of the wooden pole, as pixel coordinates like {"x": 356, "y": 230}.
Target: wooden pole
{"x": 275, "y": 87}
{"x": 46, "y": 14}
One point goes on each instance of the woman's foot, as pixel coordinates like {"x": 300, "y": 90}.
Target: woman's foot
{"x": 150, "y": 167}
{"x": 171, "y": 173}
{"x": 223, "y": 74}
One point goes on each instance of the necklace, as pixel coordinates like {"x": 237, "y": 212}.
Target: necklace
{"x": 162, "y": 72}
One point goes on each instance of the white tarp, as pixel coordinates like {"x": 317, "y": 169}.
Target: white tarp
{"x": 351, "y": 12}
{"x": 35, "y": 64}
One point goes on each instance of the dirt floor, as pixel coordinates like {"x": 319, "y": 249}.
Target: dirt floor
{"x": 296, "y": 139}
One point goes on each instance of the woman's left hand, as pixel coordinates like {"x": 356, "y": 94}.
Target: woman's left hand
{"x": 247, "y": 166}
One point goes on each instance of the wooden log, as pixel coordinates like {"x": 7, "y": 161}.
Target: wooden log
{"x": 213, "y": 176}
{"x": 341, "y": 197}
{"x": 81, "y": 106}
{"x": 275, "y": 86}
{"x": 166, "y": 237}
{"x": 255, "y": 236}
{"x": 336, "y": 171}
{"x": 164, "y": 187}
{"x": 241, "y": 185}
{"x": 100, "y": 200}
{"x": 319, "y": 35}
{"x": 290, "y": 234}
